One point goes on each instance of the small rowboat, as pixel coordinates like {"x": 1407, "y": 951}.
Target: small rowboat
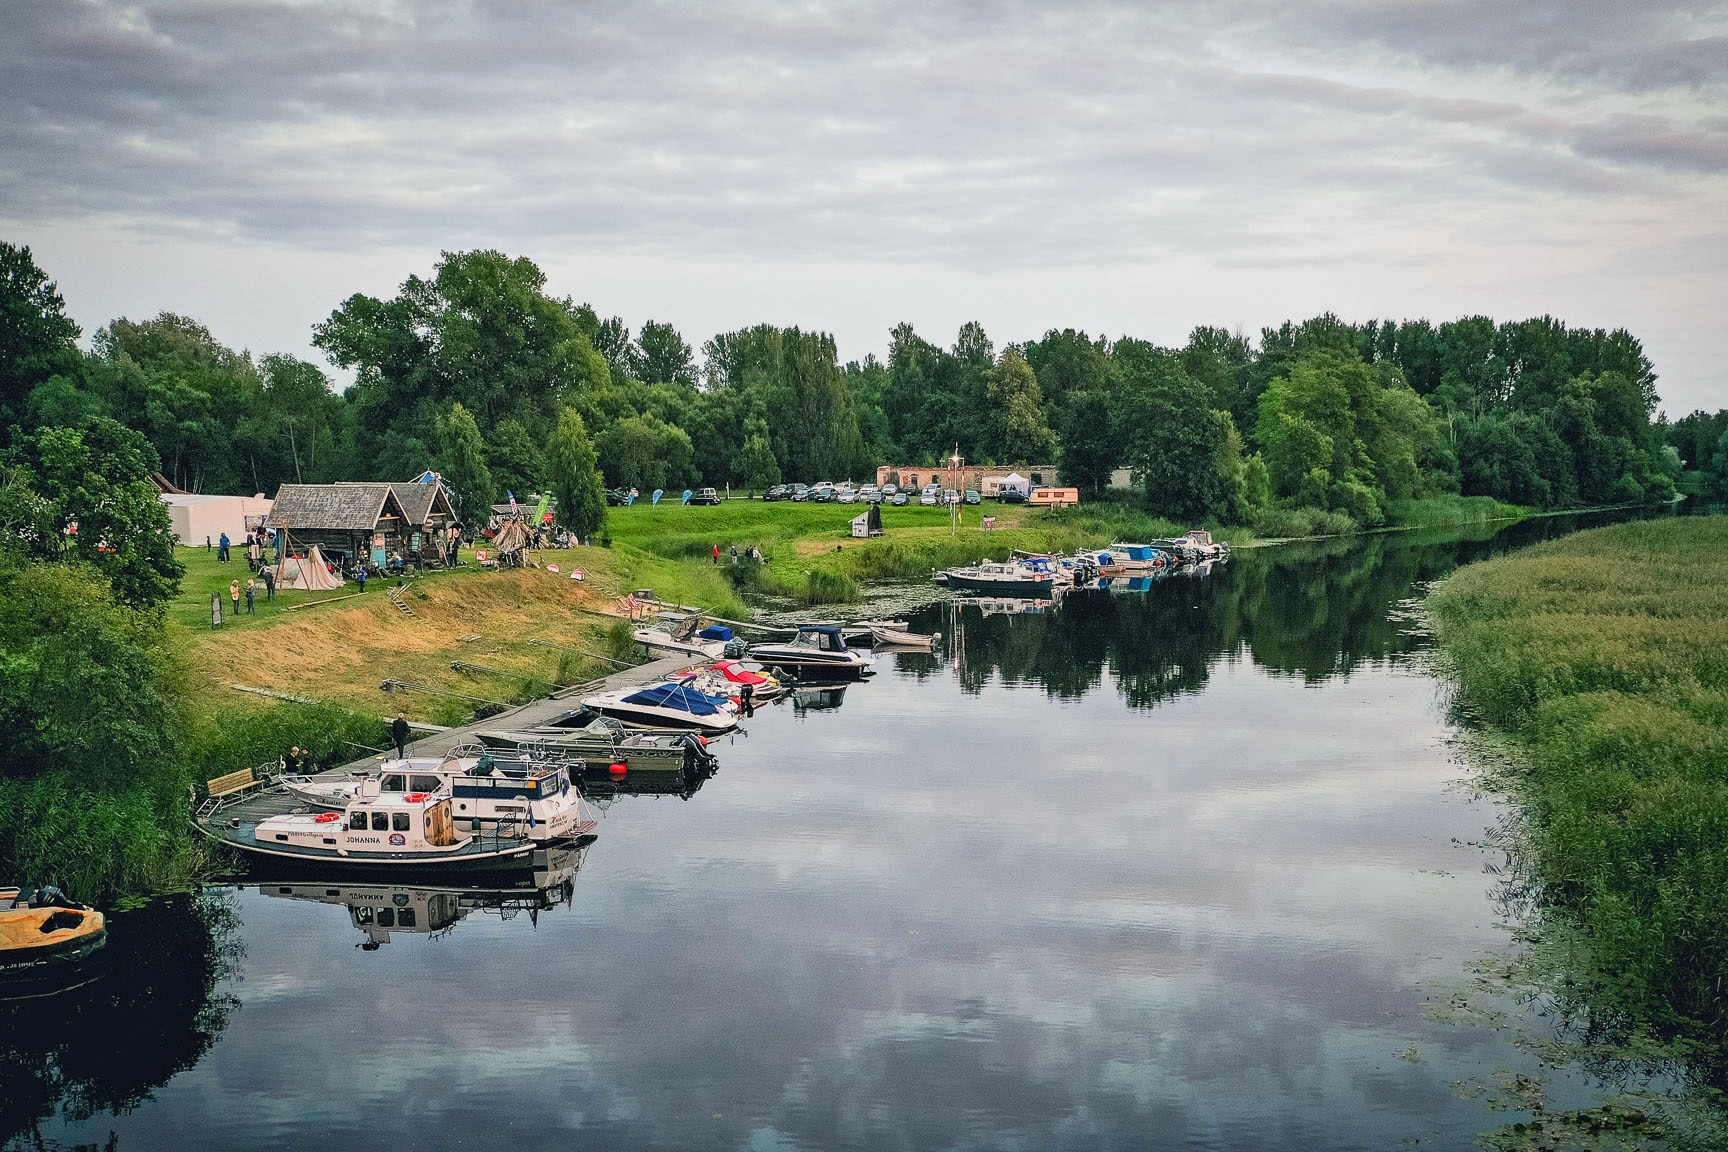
{"x": 894, "y": 634}
{"x": 42, "y": 933}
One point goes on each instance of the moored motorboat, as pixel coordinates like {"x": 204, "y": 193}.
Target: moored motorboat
{"x": 1018, "y": 576}
{"x": 43, "y": 935}
{"x": 377, "y": 831}
{"x": 683, "y": 634}
{"x": 603, "y": 741}
{"x": 818, "y": 651}
{"x": 895, "y": 634}
{"x": 668, "y": 704}
{"x": 488, "y": 787}
{"x": 728, "y": 678}
{"x": 1131, "y": 560}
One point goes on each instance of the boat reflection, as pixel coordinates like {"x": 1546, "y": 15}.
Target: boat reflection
{"x": 825, "y": 699}
{"x": 601, "y": 783}
{"x": 379, "y": 910}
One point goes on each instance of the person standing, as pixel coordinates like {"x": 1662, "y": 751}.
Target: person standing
{"x": 360, "y": 576}
{"x": 254, "y": 553}
{"x": 251, "y": 591}
{"x": 222, "y": 549}
{"x": 291, "y": 762}
{"x": 716, "y": 553}
{"x": 269, "y": 583}
{"x": 399, "y": 732}
{"x": 734, "y": 554}
{"x": 234, "y": 595}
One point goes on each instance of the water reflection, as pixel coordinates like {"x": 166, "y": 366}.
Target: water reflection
{"x": 379, "y": 910}
{"x": 1310, "y": 610}
{"x": 150, "y": 1010}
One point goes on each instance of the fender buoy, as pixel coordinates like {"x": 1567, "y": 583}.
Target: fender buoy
{"x": 619, "y": 769}
{"x": 327, "y": 817}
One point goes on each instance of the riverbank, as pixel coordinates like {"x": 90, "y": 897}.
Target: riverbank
{"x": 1603, "y": 659}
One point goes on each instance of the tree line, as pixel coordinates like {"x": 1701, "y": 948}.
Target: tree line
{"x": 477, "y": 372}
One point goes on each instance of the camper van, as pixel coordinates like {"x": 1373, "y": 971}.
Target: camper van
{"x": 1054, "y": 497}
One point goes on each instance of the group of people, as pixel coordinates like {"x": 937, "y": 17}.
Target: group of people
{"x": 267, "y": 582}
{"x": 754, "y": 554}
{"x": 256, "y": 542}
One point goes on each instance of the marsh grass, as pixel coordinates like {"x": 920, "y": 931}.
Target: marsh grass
{"x": 1604, "y": 655}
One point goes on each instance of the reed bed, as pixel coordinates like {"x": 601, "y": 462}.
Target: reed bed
{"x": 1604, "y": 655}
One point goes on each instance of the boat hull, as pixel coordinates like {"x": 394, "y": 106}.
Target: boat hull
{"x": 1018, "y": 588}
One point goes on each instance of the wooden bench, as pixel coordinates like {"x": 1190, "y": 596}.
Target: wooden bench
{"x": 233, "y": 782}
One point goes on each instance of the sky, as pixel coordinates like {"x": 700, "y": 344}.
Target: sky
{"x": 1127, "y": 169}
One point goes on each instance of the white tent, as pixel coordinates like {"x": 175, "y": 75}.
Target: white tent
{"x": 196, "y": 516}
{"x": 1014, "y": 481}
{"x": 308, "y": 574}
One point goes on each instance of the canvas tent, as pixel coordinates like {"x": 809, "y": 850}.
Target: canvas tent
{"x": 307, "y": 573}
{"x": 196, "y": 517}
{"x": 1016, "y": 482}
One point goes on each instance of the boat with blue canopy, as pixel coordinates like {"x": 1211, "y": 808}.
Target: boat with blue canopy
{"x": 668, "y": 704}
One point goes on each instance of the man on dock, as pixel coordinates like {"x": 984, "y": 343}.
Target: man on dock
{"x": 399, "y": 732}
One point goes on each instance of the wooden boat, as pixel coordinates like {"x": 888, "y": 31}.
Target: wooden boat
{"x": 44, "y": 935}
{"x": 488, "y": 787}
{"x": 378, "y": 831}
{"x": 895, "y": 634}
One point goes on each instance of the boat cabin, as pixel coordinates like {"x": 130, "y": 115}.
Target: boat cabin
{"x": 819, "y": 637}
{"x": 376, "y": 822}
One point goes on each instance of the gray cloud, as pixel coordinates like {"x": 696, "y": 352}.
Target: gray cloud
{"x": 973, "y": 133}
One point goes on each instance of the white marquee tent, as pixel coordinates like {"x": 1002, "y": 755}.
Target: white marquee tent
{"x": 197, "y": 516}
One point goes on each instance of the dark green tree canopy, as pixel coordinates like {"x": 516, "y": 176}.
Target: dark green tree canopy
{"x": 37, "y": 339}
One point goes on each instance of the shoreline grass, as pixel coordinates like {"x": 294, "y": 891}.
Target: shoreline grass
{"x": 1603, "y": 657}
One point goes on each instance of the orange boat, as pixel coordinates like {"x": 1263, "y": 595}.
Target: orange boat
{"x": 42, "y": 933}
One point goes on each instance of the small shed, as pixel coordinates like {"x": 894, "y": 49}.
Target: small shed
{"x": 869, "y": 523}
{"x": 350, "y": 521}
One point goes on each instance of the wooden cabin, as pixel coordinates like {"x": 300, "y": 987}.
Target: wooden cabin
{"x": 431, "y": 519}
{"x": 350, "y": 521}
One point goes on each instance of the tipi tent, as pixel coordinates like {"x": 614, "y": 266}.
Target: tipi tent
{"x": 306, "y": 573}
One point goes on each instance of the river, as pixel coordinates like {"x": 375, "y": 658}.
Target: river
{"x": 1178, "y": 868}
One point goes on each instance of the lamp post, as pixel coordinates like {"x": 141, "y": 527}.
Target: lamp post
{"x": 954, "y": 487}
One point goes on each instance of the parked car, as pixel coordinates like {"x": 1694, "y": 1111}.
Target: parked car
{"x": 899, "y": 499}
{"x": 705, "y": 496}
{"x": 972, "y": 496}
{"x": 931, "y": 494}
{"x": 778, "y": 492}
{"x": 824, "y": 494}
{"x": 617, "y": 496}
{"x": 800, "y": 492}
{"x": 870, "y": 494}
{"x": 950, "y": 496}
{"x": 890, "y": 489}
{"x": 1011, "y": 496}
{"x": 847, "y": 495}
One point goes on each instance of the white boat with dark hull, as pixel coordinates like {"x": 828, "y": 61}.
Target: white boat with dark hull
{"x": 668, "y": 704}
{"x": 818, "y": 651}
{"x": 683, "y": 634}
{"x": 1194, "y": 548}
{"x": 488, "y": 787}
{"x": 604, "y": 740}
{"x": 1015, "y": 577}
{"x": 378, "y": 832}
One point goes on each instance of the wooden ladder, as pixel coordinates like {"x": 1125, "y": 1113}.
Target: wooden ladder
{"x": 396, "y": 599}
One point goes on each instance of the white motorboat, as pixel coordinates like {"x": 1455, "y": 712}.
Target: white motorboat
{"x": 682, "y": 634}
{"x": 488, "y": 787}
{"x": 1132, "y": 560}
{"x": 668, "y": 704}
{"x": 728, "y": 678}
{"x": 399, "y": 832}
{"x": 817, "y": 651}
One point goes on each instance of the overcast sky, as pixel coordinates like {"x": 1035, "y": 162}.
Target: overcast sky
{"x": 1127, "y": 169}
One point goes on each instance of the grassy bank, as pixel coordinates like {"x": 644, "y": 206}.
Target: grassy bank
{"x": 1604, "y": 657}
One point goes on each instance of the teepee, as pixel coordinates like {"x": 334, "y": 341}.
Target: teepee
{"x": 307, "y": 574}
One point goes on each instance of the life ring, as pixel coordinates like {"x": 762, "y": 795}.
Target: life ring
{"x": 417, "y": 797}
{"x": 327, "y": 817}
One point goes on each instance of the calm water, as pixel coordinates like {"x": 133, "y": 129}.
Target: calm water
{"x": 1168, "y": 869}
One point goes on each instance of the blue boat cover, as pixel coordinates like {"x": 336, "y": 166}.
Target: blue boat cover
{"x": 677, "y": 696}
{"x": 715, "y": 632}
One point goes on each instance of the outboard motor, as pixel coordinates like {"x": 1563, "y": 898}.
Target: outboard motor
{"x": 736, "y": 649}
